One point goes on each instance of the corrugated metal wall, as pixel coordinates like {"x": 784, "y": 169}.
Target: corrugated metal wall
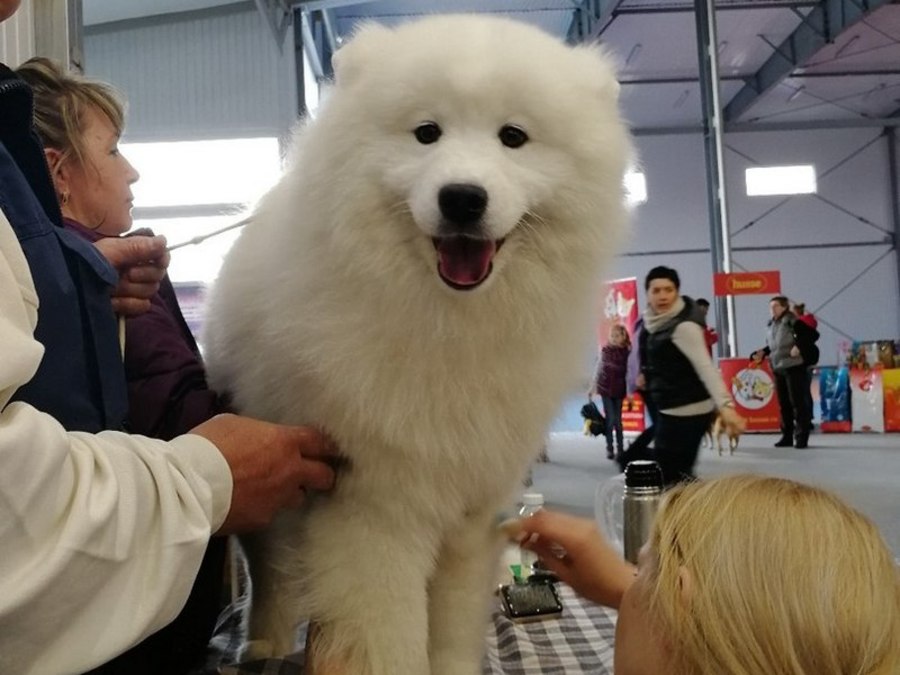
{"x": 207, "y": 74}
{"x": 17, "y": 37}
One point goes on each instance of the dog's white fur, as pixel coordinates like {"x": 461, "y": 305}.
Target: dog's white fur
{"x": 329, "y": 311}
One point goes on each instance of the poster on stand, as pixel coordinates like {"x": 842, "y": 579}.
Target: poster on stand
{"x": 867, "y": 399}
{"x": 891, "y": 383}
{"x": 834, "y": 399}
{"x": 753, "y": 389}
{"x": 620, "y": 306}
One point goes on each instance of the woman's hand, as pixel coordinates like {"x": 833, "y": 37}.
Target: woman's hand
{"x": 574, "y": 550}
{"x": 734, "y": 423}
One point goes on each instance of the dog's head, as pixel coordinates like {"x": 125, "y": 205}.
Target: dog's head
{"x": 482, "y": 140}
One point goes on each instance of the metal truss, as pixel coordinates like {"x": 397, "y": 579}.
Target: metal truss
{"x": 819, "y": 27}
{"x": 590, "y": 18}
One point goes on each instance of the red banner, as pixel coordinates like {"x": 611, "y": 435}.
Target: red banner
{"x": 620, "y": 306}
{"x": 747, "y": 283}
{"x": 753, "y": 389}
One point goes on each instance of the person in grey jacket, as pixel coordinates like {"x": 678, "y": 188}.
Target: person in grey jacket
{"x": 790, "y": 374}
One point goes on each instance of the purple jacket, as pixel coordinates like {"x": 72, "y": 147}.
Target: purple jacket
{"x": 167, "y": 390}
{"x": 610, "y": 380}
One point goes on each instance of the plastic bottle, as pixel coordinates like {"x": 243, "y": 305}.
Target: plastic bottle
{"x": 640, "y": 501}
{"x": 532, "y": 502}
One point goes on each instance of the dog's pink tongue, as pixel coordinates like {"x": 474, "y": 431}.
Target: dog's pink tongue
{"x": 464, "y": 261}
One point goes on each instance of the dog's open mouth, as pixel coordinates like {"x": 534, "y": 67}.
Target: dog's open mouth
{"x": 464, "y": 263}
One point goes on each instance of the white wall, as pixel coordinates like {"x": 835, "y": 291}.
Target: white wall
{"x": 675, "y": 218}
{"x": 17, "y": 36}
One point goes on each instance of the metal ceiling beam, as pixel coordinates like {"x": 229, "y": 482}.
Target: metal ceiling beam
{"x": 590, "y": 18}
{"x": 277, "y": 15}
{"x": 317, "y": 5}
{"x": 682, "y": 9}
{"x": 820, "y": 27}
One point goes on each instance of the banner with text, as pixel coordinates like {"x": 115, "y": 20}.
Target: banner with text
{"x": 747, "y": 283}
{"x": 753, "y": 389}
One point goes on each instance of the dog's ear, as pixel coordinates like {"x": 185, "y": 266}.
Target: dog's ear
{"x": 360, "y": 52}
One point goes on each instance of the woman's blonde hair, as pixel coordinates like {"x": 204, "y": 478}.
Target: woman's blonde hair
{"x": 60, "y": 102}
{"x": 763, "y": 575}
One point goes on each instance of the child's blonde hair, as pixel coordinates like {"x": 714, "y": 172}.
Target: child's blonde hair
{"x": 783, "y": 578}
{"x": 619, "y": 328}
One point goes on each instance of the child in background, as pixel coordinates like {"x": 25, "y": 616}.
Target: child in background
{"x": 609, "y": 383}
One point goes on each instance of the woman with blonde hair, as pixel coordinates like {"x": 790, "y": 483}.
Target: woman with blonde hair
{"x": 742, "y": 575}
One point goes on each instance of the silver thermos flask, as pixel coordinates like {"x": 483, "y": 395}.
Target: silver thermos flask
{"x": 643, "y": 490}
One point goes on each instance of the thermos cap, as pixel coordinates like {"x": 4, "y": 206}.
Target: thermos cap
{"x": 533, "y": 499}
{"x": 643, "y": 473}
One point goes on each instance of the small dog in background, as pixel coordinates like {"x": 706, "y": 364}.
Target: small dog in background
{"x": 714, "y": 434}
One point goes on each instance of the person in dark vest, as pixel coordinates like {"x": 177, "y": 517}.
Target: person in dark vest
{"x": 679, "y": 376}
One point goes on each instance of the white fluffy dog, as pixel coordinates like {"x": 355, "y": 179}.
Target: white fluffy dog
{"x": 421, "y": 284}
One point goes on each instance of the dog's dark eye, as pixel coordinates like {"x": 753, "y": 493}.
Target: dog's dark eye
{"x": 512, "y": 136}
{"x": 427, "y": 133}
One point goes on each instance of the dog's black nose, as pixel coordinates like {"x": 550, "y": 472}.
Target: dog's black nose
{"x": 462, "y": 203}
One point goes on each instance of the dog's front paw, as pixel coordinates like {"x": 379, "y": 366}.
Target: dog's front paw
{"x": 255, "y": 650}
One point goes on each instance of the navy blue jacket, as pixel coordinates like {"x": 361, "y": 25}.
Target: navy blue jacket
{"x": 81, "y": 380}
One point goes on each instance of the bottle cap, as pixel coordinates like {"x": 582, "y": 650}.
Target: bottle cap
{"x": 533, "y": 499}
{"x": 643, "y": 473}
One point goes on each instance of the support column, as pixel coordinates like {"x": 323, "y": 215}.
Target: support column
{"x": 299, "y": 63}
{"x": 59, "y": 32}
{"x": 720, "y": 245}
{"x": 890, "y": 134}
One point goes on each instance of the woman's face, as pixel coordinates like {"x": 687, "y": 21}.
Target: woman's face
{"x": 776, "y": 309}
{"x": 661, "y": 294}
{"x": 99, "y": 188}
{"x": 639, "y": 649}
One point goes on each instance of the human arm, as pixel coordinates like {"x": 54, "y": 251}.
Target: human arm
{"x": 103, "y": 534}
{"x": 574, "y": 550}
{"x": 688, "y": 337}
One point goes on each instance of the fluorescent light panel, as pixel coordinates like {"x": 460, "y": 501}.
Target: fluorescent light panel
{"x": 635, "y": 188}
{"x": 781, "y": 180}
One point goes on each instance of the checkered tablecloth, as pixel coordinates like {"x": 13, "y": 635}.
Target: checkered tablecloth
{"x": 579, "y": 641}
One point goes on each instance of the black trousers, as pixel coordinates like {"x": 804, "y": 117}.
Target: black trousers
{"x": 677, "y": 444}
{"x": 792, "y": 388}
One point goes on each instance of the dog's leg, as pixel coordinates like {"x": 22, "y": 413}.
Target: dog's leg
{"x": 459, "y": 597}
{"x": 366, "y": 572}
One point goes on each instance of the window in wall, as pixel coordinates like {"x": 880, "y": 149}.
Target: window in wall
{"x": 635, "y": 188}
{"x": 781, "y": 180}
{"x": 185, "y": 173}
{"x": 192, "y": 188}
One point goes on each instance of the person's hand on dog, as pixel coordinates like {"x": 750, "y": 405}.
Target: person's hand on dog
{"x": 141, "y": 262}
{"x": 734, "y": 423}
{"x": 574, "y": 550}
{"x": 272, "y": 467}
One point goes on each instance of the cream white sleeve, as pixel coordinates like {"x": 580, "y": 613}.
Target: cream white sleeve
{"x": 688, "y": 337}
{"x": 102, "y": 535}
